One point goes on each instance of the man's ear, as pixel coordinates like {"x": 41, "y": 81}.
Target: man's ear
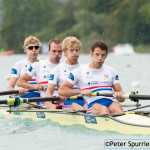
{"x": 91, "y": 53}
{"x": 25, "y": 50}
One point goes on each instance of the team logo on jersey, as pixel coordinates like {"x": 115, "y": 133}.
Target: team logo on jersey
{"x": 117, "y": 77}
{"x": 87, "y": 72}
{"x": 26, "y": 65}
{"x": 71, "y": 76}
{"x": 65, "y": 71}
{"x": 51, "y": 77}
{"x": 44, "y": 66}
{"x": 13, "y": 71}
{"x": 30, "y": 68}
{"x": 106, "y": 76}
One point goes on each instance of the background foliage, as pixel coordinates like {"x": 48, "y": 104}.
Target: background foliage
{"x": 113, "y": 21}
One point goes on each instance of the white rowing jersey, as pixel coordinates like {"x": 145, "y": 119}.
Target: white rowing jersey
{"x": 41, "y": 70}
{"x": 61, "y": 72}
{"x": 97, "y": 80}
{"x": 20, "y": 68}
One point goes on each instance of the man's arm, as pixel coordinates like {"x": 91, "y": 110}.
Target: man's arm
{"x": 50, "y": 90}
{"x": 66, "y": 90}
{"x": 12, "y": 83}
{"x": 23, "y": 82}
{"x": 118, "y": 92}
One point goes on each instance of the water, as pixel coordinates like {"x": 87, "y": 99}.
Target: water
{"x": 25, "y": 134}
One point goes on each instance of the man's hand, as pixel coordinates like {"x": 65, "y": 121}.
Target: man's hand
{"x": 118, "y": 97}
{"x": 86, "y": 92}
{"x": 22, "y": 90}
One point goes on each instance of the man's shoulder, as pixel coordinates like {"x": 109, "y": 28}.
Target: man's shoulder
{"x": 20, "y": 62}
{"x": 81, "y": 68}
{"x": 108, "y": 67}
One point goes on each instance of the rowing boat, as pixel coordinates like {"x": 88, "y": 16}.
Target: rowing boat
{"x": 126, "y": 123}
{"x": 130, "y": 122}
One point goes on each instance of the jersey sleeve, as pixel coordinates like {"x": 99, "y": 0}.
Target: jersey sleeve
{"x": 115, "y": 76}
{"x": 15, "y": 70}
{"x": 73, "y": 76}
{"x": 32, "y": 69}
{"x": 54, "y": 76}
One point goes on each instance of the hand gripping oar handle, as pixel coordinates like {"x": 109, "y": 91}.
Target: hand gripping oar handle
{"x": 15, "y": 91}
{"x": 125, "y": 95}
{"x": 136, "y": 96}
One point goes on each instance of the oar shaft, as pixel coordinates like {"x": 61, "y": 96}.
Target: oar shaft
{"x": 13, "y": 101}
{"x": 41, "y": 99}
{"x": 136, "y": 96}
{"x": 15, "y": 92}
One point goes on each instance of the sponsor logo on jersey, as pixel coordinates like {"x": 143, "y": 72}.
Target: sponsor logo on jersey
{"x": 47, "y": 76}
{"x": 93, "y": 83}
{"x": 51, "y": 77}
{"x": 117, "y": 77}
{"x": 13, "y": 71}
{"x": 71, "y": 76}
{"x": 30, "y": 68}
{"x": 65, "y": 71}
{"x": 104, "y": 82}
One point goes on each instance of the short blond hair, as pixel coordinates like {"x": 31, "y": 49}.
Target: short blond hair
{"x": 70, "y": 42}
{"x": 31, "y": 40}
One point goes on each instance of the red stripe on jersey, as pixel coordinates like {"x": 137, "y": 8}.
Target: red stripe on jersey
{"x": 32, "y": 80}
{"x": 94, "y": 87}
{"x": 45, "y": 82}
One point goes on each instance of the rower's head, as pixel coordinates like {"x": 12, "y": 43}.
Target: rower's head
{"x": 32, "y": 47}
{"x": 98, "y": 53}
{"x": 55, "y": 50}
{"x": 71, "y": 47}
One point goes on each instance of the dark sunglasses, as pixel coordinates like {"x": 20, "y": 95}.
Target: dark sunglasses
{"x": 31, "y": 47}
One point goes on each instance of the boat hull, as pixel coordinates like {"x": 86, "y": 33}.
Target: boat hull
{"x": 100, "y": 123}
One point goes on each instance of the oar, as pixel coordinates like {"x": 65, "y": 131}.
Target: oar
{"x": 93, "y": 94}
{"x": 139, "y": 108}
{"x": 49, "y": 110}
{"x": 16, "y": 101}
{"x": 15, "y": 92}
{"x": 125, "y": 95}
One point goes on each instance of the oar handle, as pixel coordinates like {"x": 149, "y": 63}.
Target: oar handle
{"x": 93, "y": 94}
{"x": 15, "y": 91}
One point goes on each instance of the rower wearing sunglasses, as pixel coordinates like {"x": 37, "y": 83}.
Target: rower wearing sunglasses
{"x": 31, "y": 48}
{"x": 42, "y": 70}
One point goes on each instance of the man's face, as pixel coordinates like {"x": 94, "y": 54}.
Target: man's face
{"x": 72, "y": 55}
{"x": 32, "y": 50}
{"x": 98, "y": 57}
{"x": 55, "y": 52}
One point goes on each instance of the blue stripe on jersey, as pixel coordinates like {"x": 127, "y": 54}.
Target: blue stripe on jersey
{"x": 75, "y": 88}
{"x": 102, "y": 89}
{"x": 33, "y": 82}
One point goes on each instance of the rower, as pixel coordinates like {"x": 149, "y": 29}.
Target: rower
{"x": 95, "y": 77}
{"x": 41, "y": 70}
{"x": 31, "y": 48}
{"x": 71, "y": 47}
